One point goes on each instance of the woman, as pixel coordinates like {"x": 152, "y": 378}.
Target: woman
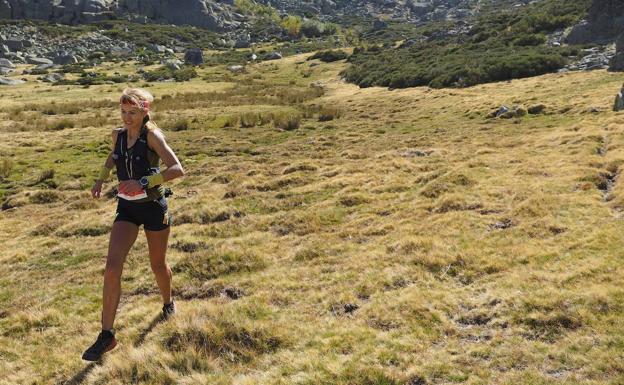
{"x": 136, "y": 151}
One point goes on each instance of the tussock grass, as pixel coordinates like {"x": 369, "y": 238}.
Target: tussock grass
{"x": 402, "y": 242}
{"x": 209, "y": 264}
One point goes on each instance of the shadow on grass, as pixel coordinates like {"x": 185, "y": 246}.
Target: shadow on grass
{"x": 80, "y": 376}
{"x": 157, "y": 319}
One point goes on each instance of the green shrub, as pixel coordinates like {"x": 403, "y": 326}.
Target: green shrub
{"x": 329, "y": 56}
{"x": 500, "y": 46}
{"x": 531, "y": 39}
{"x": 183, "y": 74}
{"x": 312, "y": 28}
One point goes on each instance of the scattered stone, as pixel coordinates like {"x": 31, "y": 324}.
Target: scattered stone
{"x": 173, "y": 64}
{"x": 416, "y": 153}
{"x": 10, "y": 82}
{"x": 232, "y": 292}
{"x": 119, "y": 51}
{"x": 505, "y": 112}
{"x": 236, "y": 68}
{"x": 6, "y": 63}
{"x": 14, "y": 44}
{"x": 537, "y": 109}
{"x": 64, "y": 58}
{"x": 43, "y": 67}
{"x": 501, "y": 225}
{"x": 158, "y": 48}
{"x": 5, "y": 71}
{"x": 342, "y": 309}
{"x": 38, "y": 60}
{"x": 244, "y": 42}
{"x": 379, "y": 24}
{"x": 273, "y": 56}
{"x": 194, "y": 56}
{"x": 51, "y": 78}
{"x": 500, "y": 111}
{"x": 594, "y": 58}
{"x": 617, "y": 63}
{"x": 619, "y": 101}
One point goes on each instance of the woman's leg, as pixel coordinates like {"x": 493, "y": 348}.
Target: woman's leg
{"x": 157, "y": 244}
{"x": 122, "y": 238}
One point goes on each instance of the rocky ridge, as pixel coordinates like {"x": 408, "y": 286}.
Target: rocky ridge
{"x": 222, "y": 15}
{"x": 209, "y": 14}
{"x": 396, "y": 10}
{"x": 605, "y": 22}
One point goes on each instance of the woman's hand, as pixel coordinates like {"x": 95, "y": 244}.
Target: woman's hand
{"x": 130, "y": 187}
{"x": 96, "y": 191}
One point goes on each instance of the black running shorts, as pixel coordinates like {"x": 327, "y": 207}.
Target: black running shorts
{"x": 154, "y": 215}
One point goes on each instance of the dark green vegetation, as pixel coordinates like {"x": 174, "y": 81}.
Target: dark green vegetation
{"x": 329, "y": 56}
{"x": 502, "y": 45}
{"x": 183, "y": 74}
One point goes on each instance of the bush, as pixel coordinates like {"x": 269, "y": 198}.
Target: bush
{"x": 163, "y": 73}
{"x": 92, "y": 78}
{"x": 287, "y": 122}
{"x": 500, "y": 46}
{"x": 292, "y": 25}
{"x": 329, "y": 56}
{"x": 312, "y": 28}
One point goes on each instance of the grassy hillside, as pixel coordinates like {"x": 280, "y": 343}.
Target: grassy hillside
{"x": 326, "y": 234}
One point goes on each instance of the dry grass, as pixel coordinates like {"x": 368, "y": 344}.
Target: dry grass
{"x": 409, "y": 240}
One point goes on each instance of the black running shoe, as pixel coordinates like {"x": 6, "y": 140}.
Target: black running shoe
{"x": 168, "y": 310}
{"x": 104, "y": 343}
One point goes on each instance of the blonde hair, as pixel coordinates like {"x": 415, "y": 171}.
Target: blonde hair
{"x": 143, "y": 100}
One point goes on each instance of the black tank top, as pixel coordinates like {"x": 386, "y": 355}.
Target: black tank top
{"x": 137, "y": 162}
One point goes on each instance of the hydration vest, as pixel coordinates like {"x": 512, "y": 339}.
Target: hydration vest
{"x": 137, "y": 162}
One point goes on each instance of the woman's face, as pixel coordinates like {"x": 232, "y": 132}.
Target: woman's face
{"x": 132, "y": 116}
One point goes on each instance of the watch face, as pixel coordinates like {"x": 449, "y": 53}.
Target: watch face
{"x": 144, "y": 182}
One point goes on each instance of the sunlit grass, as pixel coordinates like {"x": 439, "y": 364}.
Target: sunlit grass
{"x": 409, "y": 239}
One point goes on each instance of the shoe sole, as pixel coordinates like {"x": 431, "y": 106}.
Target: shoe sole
{"x": 108, "y": 349}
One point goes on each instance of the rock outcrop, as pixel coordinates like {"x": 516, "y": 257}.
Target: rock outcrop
{"x": 605, "y": 22}
{"x": 402, "y": 10}
{"x": 209, "y": 14}
{"x": 617, "y": 63}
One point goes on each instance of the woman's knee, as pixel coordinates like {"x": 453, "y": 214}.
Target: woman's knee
{"x": 160, "y": 268}
{"x": 113, "y": 271}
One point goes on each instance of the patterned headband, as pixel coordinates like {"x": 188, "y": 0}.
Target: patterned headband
{"x": 142, "y": 104}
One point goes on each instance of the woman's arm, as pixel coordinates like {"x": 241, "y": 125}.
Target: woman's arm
{"x": 156, "y": 141}
{"x": 109, "y": 163}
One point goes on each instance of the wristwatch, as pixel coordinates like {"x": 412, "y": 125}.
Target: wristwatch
{"x": 144, "y": 182}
